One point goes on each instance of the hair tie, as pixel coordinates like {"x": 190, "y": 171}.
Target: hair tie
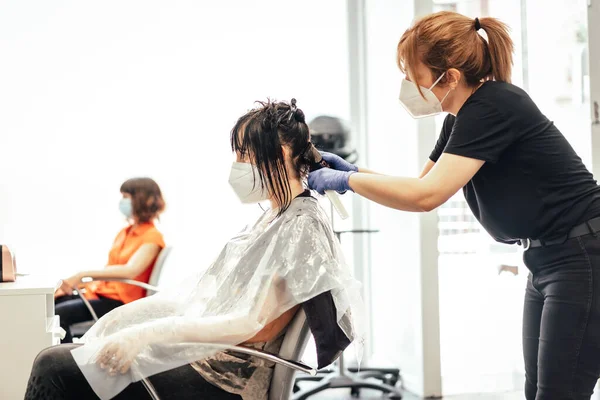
{"x": 477, "y": 24}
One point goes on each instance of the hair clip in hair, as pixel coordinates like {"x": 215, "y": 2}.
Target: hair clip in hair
{"x": 305, "y": 152}
{"x": 293, "y": 109}
{"x": 477, "y": 24}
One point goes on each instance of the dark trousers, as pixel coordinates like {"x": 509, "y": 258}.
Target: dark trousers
{"x": 561, "y": 320}
{"x": 72, "y": 310}
{"x": 56, "y": 376}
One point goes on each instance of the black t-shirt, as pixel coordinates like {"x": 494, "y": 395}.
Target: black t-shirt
{"x": 533, "y": 184}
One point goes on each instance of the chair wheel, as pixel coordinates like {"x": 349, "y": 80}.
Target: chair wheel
{"x": 355, "y": 392}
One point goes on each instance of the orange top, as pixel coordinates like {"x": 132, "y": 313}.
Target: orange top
{"x": 127, "y": 242}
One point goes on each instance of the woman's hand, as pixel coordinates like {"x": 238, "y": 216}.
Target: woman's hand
{"x": 68, "y": 285}
{"x": 329, "y": 179}
{"x": 59, "y": 293}
{"x": 120, "y": 351}
{"x": 337, "y": 162}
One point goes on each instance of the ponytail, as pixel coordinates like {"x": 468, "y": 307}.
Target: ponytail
{"x": 500, "y": 47}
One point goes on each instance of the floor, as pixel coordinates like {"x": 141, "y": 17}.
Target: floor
{"x": 342, "y": 394}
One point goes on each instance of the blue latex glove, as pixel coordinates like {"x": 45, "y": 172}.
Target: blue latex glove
{"x": 337, "y": 162}
{"x": 329, "y": 179}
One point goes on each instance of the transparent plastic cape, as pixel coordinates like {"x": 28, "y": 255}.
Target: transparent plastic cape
{"x": 265, "y": 270}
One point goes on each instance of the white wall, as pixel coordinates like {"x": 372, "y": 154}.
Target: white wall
{"x": 94, "y": 93}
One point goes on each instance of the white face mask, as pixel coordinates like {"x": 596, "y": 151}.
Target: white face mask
{"x": 415, "y": 104}
{"x": 245, "y": 181}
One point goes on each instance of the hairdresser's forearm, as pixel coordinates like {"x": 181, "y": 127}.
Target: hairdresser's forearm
{"x": 406, "y": 194}
{"x": 367, "y": 171}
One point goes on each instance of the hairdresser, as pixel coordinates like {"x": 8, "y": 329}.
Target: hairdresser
{"x": 521, "y": 178}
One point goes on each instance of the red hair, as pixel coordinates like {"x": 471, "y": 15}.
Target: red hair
{"x": 447, "y": 40}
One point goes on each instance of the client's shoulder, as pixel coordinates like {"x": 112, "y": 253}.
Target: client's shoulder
{"x": 304, "y": 214}
{"x": 306, "y": 208}
{"x": 151, "y": 234}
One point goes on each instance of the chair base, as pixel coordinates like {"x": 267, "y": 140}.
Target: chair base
{"x": 389, "y": 376}
{"x": 354, "y": 382}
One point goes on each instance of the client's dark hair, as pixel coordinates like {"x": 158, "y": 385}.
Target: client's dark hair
{"x": 259, "y": 135}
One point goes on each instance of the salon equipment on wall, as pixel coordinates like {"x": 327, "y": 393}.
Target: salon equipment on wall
{"x": 332, "y": 134}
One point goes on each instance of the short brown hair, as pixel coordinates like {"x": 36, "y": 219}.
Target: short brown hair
{"x": 146, "y": 198}
{"x": 447, "y": 40}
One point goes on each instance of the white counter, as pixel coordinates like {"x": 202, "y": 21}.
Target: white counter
{"x": 28, "y": 326}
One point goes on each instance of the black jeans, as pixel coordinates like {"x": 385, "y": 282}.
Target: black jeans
{"x": 56, "y": 376}
{"x": 72, "y": 310}
{"x": 561, "y": 320}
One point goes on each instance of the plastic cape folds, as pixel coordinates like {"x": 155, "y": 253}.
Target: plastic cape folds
{"x": 265, "y": 270}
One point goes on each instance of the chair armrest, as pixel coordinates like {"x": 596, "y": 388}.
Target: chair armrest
{"x": 126, "y": 281}
{"x": 132, "y": 282}
{"x": 297, "y": 365}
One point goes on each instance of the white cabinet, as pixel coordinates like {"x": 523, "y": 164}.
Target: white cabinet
{"x": 28, "y": 325}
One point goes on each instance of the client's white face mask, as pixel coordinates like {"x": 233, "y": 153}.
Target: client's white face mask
{"x": 242, "y": 180}
{"x": 415, "y": 104}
